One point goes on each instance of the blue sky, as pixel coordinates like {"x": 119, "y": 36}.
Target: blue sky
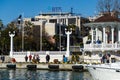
{"x": 11, "y": 9}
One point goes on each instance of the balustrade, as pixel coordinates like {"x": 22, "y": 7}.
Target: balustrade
{"x": 114, "y": 46}
{"x": 41, "y": 53}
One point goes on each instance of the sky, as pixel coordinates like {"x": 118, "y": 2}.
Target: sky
{"x": 11, "y": 9}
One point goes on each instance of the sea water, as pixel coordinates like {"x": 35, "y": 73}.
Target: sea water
{"x": 24, "y": 74}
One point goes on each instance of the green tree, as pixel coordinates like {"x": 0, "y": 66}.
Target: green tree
{"x": 1, "y": 24}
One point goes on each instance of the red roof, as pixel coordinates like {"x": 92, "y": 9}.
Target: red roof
{"x": 107, "y": 18}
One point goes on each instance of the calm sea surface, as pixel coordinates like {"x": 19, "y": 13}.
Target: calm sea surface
{"x": 24, "y": 74}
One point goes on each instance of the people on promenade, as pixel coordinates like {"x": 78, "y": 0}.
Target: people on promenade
{"x": 64, "y": 59}
{"x": 3, "y": 58}
{"x": 30, "y": 58}
{"x": 26, "y": 58}
{"x": 37, "y": 58}
{"x": 47, "y": 58}
{"x": 105, "y": 58}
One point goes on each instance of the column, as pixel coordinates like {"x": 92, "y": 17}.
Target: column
{"x": 96, "y": 30}
{"x": 57, "y": 20}
{"x": 112, "y": 30}
{"x": 118, "y": 33}
{"x": 67, "y": 21}
{"x": 64, "y": 21}
{"x": 92, "y": 34}
{"x": 104, "y": 35}
{"x": 76, "y": 21}
{"x": 79, "y": 23}
{"x": 106, "y": 38}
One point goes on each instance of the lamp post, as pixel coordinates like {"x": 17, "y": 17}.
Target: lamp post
{"x": 60, "y": 31}
{"x": 68, "y": 32}
{"x": 11, "y": 43}
{"x": 21, "y": 22}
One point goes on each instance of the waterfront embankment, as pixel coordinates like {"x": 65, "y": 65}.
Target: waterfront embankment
{"x": 44, "y": 66}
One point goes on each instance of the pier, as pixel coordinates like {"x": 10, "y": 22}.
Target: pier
{"x": 44, "y": 66}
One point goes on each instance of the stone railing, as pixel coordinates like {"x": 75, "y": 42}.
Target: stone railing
{"x": 98, "y": 47}
{"x": 75, "y": 48}
{"x": 20, "y": 56}
{"x": 40, "y": 53}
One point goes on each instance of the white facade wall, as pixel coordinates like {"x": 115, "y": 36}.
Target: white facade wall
{"x": 50, "y": 28}
{"x": 62, "y": 19}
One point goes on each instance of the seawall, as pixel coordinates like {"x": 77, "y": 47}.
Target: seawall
{"x": 44, "y": 66}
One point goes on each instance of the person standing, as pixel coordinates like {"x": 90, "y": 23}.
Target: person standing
{"x": 3, "y": 58}
{"x": 47, "y": 58}
{"x": 37, "y": 58}
{"x": 26, "y": 58}
{"x": 30, "y": 57}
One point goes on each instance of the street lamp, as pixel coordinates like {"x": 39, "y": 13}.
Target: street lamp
{"x": 11, "y": 43}
{"x": 68, "y": 32}
{"x": 21, "y": 22}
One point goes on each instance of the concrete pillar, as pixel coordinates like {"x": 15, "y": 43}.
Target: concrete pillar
{"x": 106, "y": 38}
{"x": 79, "y": 23}
{"x": 92, "y": 34}
{"x": 104, "y": 35}
{"x": 96, "y": 30}
{"x": 76, "y": 21}
{"x": 11, "y": 43}
{"x": 64, "y": 21}
{"x": 119, "y": 34}
{"x": 57, "y": 20}
{"x": 67, "y": 21}
{"x": 112, "y": 30}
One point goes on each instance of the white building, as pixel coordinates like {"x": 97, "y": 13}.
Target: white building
{"x": 52, "y": 21}
{"x": 105, "y": 37}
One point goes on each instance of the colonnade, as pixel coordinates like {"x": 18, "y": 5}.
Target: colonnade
{"x": 105, "y": 35}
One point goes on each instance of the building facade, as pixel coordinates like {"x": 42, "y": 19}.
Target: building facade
{"x": 54, "y": 23}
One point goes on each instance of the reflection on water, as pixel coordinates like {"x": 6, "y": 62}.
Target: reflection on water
{"x": 24, "y": 74}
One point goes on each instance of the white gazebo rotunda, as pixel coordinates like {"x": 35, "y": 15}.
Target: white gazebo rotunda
{"x": 105, "y": 35}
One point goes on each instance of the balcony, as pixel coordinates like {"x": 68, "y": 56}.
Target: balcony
{"x": 102, "y": 47}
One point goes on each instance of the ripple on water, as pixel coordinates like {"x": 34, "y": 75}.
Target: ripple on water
{"x": 24, "y": 74}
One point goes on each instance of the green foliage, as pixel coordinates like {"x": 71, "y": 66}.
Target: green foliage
{"x": 32, "y": 38}
{"x": 75, "y": 58}
{"x": 89, "y": 37}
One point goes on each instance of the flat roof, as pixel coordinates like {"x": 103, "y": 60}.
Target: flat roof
{"x": 55, "y": 13}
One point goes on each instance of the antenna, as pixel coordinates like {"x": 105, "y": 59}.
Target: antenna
{"x": 71, "y": 10}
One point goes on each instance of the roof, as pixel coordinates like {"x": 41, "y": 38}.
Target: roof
{"x": 107, "y": 18}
